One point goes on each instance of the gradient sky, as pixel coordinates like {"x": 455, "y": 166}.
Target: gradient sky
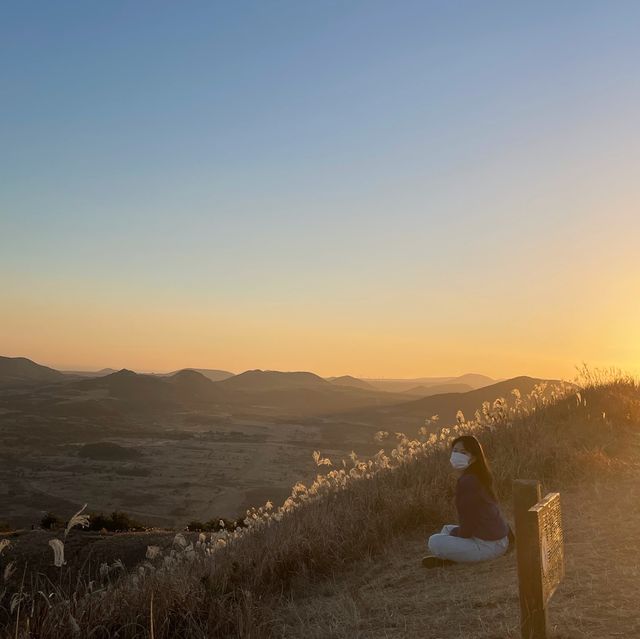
{"x": 374, "y": 188}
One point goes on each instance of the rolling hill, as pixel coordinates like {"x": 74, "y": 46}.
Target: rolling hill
{"x": 136, "y": 392}
{"x": 352, "y": 382}
{"x": 259, "y": 380}
{"x": 192, "y": 385}
{"x": 213, "y": 374}
{"x": 20, "y": 371}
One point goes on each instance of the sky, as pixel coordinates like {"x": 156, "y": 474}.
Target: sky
{"x": 382, "y": 189}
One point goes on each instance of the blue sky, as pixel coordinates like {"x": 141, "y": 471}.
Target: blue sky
{"x": 349, "y": 187}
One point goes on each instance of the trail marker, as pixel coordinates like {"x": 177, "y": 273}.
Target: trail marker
{"x": 540, "y": 553}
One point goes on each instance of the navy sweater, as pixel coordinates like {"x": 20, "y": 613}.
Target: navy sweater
{"x": 478, "y": 513}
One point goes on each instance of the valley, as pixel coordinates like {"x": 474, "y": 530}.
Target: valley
{"x": 171, "y": 449}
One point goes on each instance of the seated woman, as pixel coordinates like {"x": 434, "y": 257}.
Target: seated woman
{"x": 483, "y": 532}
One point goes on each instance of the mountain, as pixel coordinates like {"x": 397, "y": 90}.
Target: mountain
{"x": 353, "y": 382}
{"x": 259, "y": 380}
{"x": 411, "y": 414}
{"x": 439, "y": 389}
{"x": 213, "y": 374}
{"x": 474, "y": 380}
{"x": 193, "y": 385}
{"x": 20, "y": 371}
{"x": 136, "y": 391}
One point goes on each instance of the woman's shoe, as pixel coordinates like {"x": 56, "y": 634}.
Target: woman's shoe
{"x": 431, "y": 561}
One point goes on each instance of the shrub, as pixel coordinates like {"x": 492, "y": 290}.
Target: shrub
{"x": 51, "y": 521}
{"x": 117, "y": 521}
{"x": 196, "y": 526}
{"x": 216, "y": 524}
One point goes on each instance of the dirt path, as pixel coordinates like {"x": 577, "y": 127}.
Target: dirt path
{"x": 393, "y": 597}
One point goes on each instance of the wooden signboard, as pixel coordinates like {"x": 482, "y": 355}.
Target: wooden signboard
{"x": 547, "y": 520}
{"x": 540, "y": 552}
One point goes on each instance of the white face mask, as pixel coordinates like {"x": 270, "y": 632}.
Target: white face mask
{"x": 459, "y": 460}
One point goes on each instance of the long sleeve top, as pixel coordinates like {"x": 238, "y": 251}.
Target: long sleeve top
{"x": 478, "y": 513}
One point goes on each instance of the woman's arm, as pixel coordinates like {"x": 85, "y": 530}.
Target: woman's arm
{"x": 467, "y": 502}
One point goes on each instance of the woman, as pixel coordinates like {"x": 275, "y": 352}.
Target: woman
{"x": 483, "y": 532}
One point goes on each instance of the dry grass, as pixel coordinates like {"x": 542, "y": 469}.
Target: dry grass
{"x": 393, "y": 598}
{"x": 234, "y": 585}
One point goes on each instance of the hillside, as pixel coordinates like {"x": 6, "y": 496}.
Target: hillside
{"x": 193, "y": 385}
{"x": 139, "y": 392}
{"x": 448, "y": 404}
{"x": 18, "y": 371}
{"x": 411, "y": 414}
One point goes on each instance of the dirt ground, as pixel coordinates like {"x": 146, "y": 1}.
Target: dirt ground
{"x": 394, "y": 597}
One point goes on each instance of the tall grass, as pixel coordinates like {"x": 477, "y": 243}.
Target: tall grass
{"x": 226, "y": 584}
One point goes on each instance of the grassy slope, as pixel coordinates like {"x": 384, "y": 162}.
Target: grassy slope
{"x": 393, "y": 597}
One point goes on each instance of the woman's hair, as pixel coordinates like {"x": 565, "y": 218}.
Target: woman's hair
{"x": 479, "y": 467}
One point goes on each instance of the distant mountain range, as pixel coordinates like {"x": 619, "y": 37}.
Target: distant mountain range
{"x": 277, "y": 394}
{"x": 213, "y": 374}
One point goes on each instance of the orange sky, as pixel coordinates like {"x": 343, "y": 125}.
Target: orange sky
{"x": 382, "y": 191}
{"x": 393, "y": 336}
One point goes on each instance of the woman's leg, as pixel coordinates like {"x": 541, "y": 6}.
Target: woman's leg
{"x": 447, "y": 528}
{"x": 493, "y": 549}
{"x": 466, "y": 549}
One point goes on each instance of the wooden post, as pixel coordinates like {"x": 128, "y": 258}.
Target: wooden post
{"x": 533, "y": 615}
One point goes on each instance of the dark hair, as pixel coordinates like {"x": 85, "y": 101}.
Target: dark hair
{"x": 479, "y": 467}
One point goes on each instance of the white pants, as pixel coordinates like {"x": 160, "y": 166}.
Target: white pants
{"x": 447, "y": 546}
